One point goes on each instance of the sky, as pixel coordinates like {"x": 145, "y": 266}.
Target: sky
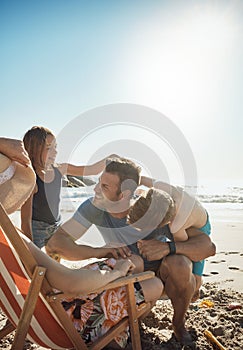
{"x": 181, "y": 61}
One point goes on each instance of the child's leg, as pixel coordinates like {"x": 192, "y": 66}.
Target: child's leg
{"x": 199, "y": 265}
{"x": 198, "y": 285}
{"x": 197, "y": 269}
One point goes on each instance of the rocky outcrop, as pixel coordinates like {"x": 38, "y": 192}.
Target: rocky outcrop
{"x": 77, "y": 181}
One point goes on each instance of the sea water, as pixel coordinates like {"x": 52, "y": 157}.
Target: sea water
{"x": 215, "y": 195}
{"x": 222, "y": 199}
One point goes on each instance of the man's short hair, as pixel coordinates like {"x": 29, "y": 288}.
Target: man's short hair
{"x": 127, "y": 171}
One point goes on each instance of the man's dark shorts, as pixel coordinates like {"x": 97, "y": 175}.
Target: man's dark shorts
{"x": 148, "y": 265}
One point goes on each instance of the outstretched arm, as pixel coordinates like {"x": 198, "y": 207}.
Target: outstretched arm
{"x": 85, "y": 170}
{"x": 149, "y": 182}
{"x": 77, "y": 282}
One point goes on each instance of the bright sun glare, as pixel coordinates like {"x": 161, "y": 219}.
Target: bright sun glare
{"x": 176, "y": 60}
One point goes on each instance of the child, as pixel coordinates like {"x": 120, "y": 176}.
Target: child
{"x": 40, "y": 215}
{"x": 169, "y": 205}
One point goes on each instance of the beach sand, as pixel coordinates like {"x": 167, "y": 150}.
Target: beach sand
{"x": 223, "y": 285}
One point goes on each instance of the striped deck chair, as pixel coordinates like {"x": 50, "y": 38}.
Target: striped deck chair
{"x": 36, "y": 313}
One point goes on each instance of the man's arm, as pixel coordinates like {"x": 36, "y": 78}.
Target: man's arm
{"x": 198, "y": 247}
{"x": 62, "y": 244}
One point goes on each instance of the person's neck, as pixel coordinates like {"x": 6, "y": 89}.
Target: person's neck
{"x": 45, "y": 168}
{"x": 121, "y": 210}
{"x": 120, "y": 215}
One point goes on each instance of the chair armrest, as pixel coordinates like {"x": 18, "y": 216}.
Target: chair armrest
{"x": 122, "y": 281}
{"x": 119, "y": 282}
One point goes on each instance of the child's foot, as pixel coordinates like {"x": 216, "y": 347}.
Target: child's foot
{"x": 195, "y": 296}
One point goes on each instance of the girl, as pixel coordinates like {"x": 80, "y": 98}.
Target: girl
{"x": 40, "y": 215}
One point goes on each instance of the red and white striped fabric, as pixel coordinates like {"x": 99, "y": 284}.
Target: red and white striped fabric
{"x": 45, "y": 330}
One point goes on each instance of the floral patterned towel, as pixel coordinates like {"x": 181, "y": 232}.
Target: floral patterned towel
{"x": 94, "y": 314}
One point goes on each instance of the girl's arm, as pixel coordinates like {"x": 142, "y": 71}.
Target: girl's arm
{"x": 26, "y": 216}
{"x": 147, "y": 181}
{"x": 84, "y": 170}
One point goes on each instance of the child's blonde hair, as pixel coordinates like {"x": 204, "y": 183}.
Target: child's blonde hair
{"x": 158, "y": 205}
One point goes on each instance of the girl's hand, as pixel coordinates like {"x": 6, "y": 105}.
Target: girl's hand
{"x": 124, "y": 266}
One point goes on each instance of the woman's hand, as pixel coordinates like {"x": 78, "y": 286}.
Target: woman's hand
{"x": 124, "y": 266}
{"x": 14, "y": 149}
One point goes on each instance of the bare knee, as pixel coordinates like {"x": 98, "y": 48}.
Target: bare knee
{"x": 152, "y": 289}
{"x": 177, "y": 269}
{"x": 138, "y": 262}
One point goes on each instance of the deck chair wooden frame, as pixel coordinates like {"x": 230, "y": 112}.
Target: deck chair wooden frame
{"x": 40, "y": 292}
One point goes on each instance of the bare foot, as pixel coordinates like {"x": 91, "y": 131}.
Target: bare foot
{"x": 183, "y": 336}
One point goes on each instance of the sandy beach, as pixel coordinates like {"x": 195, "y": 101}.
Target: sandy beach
{"x": 223, "y": 286}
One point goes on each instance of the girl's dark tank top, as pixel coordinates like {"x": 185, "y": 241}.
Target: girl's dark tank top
{"x": 46, "y": 201}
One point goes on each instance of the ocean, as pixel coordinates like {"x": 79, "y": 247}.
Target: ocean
{"x": 223, "y": 201}
{"x": 215, "y": 196}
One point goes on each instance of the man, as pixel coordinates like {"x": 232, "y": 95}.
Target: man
{"x": 108, "y": 211}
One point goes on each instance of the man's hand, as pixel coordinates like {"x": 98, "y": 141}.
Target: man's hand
{"x": 116, "y": 251}
{"x": 153, "y": 249}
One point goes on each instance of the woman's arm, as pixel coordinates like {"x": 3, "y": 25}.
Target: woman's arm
{"x": 14, "y": 149}
{"x": 76, "y": 282}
